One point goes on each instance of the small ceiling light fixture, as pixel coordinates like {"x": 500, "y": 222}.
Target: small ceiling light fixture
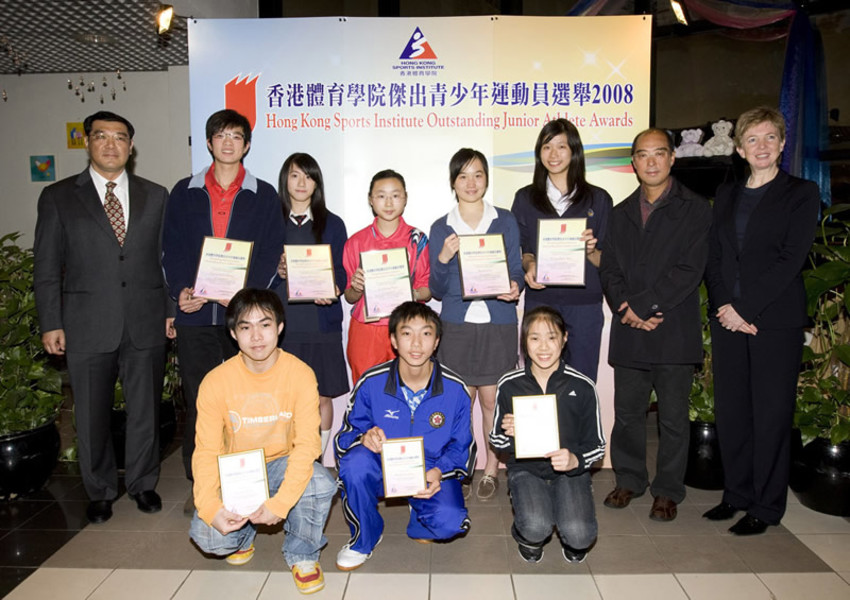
{"x": 163, "y": 18}
{"x": 679, "y": 11}
{"x": 165, "y": 23}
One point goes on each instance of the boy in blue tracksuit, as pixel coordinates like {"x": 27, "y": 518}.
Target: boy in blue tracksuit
{"x": 412, "y": 395}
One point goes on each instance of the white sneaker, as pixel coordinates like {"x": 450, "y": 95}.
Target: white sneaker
{"x": 348, "y": 559}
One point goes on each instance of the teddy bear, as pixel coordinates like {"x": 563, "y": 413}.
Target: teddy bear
{"x": 721, "y": 143}
{"x": 690, "y": 145}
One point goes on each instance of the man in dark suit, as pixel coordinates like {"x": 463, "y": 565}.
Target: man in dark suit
{"x": 653, "y": 259}
{"x": 101, "y": 302}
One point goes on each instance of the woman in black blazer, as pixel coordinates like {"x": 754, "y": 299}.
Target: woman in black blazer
{"x": 762, "y": 232}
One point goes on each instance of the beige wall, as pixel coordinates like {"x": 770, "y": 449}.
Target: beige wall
{"x": 33, "y": 123}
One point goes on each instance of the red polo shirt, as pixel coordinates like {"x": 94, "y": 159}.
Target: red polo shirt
{"x": 221, "y": 200}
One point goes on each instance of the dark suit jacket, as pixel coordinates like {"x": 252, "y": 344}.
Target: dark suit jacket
{"x": 657, "y": 268}
{"x": 778, "y": 238}
{"x": 85, "y": 282}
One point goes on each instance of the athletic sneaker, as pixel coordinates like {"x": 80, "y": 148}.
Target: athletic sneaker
{"x": 240, "y": 557}
{"x": 348, "y": 559}
{"x": 308, "y": 576}
{"x": 530, "y": 554}
{"x": 573, "y": 556}
{"x": 487, "y": 487}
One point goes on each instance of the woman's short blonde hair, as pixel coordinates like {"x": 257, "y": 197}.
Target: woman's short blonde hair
{"x": 756, "y": 116}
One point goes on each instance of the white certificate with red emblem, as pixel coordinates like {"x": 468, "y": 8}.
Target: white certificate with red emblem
{"x": 223, "y": 268}
{"x": 535, "y": 426}
{"x": 386, "y": 278}
{"x": 403, "y": 464}
{"x": 244, "y": 481}
{"x": 483, "y": 266}
{"x": 560, "y": 251}
{"x": 309, "y": 272}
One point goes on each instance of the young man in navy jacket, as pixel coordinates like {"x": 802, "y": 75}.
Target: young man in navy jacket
{"x": 225, "y": 201}
{"x": 412, "y": 395}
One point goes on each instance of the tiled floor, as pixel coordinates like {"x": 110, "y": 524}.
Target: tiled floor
{"x": 47, "y": 551}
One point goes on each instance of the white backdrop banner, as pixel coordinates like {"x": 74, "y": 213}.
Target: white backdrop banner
{"x": 366, "y": 94}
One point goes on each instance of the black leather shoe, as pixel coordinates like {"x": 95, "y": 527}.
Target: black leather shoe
{"x": 749, "y": 525}
{"x": 722, "y": 512}
{"x": 148, "y": 501}
{"x": 99, "y": 511}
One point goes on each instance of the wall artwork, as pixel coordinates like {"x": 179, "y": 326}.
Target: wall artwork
{"x": 42, "y": 168}
{"x": 75, "y": 136}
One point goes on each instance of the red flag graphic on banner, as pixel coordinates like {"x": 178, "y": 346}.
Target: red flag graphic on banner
{"x": 241, "y": 96}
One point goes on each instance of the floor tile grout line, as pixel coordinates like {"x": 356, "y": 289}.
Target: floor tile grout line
{"x": 182, "y": 583}
{"x": 102, "y": 581}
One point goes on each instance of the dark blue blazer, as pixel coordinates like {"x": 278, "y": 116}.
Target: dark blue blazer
{"x": 769, "y": 266}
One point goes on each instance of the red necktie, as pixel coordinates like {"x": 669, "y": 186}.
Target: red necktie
{"x": 115, "y": 213}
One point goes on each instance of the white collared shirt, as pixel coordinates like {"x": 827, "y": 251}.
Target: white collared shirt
{"x": 560, "y": 202}
{"x": 477, "y": 311}
{"x": 307, "y": 213}
{"x": 121, "y": 191}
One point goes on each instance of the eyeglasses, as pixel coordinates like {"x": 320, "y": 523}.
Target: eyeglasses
{"x": 221, "y": 135}
{"x": 395, "y": 197}
{"x": 101, "y": 137}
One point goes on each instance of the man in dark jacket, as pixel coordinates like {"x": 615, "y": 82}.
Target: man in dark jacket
{"x": 102, "y": 304}
{"x": 223, "y": 201}
{"x": 652, "y": 262}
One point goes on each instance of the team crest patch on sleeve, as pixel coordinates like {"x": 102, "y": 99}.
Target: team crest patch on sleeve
{"x": 437, "y": 420}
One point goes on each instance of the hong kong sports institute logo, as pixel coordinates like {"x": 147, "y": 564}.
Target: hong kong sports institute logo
{"x": 417, "y": 47}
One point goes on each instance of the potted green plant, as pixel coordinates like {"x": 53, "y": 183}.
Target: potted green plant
{"x": 30, "y": 386}
{"x": 819, "y": 475}
{"x": 705, "y": 470}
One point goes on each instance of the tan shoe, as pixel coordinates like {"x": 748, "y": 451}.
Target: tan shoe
{"x": 487, "y": 486}
{"x": 620, "y": 497}
{"x": 663, "y": 509}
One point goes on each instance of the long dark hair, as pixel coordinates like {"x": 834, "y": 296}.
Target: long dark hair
{"x": 308, "y": 164}
{"x": 575, "y": 172}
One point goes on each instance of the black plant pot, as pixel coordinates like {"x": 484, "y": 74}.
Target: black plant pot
{"x": 820, "y": 475}
{"x": 705, "y": 470}
{"x": 27, "y": 459}
{"x": 167, "y": 429}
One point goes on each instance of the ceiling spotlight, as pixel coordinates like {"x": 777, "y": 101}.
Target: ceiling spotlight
{"x": 679, "y": 11}
{"x": 163, "y": 18}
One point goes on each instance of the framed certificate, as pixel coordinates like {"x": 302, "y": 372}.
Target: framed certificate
{"x": 403, "y": 464}
{"x": 483, "y": 266}
{"x": 386, "y": 275}
{"x": 244, "y": 481}
{"x": 535, "y": 425}
{"x": 560, "y": 251}
{"x": 222, "y": 268}
{"x": 309, "y": 272}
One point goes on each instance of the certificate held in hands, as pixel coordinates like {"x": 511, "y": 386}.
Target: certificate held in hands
{"x": 560, "y": 251}
{"x": 223, "y": 268}
{"x": 535, "y": 426}
{"x": 386, "y": 276}
{"x": 483, "y": 266}
{"x": 244, "y": 481}
{"x": 309, "y": 272}
{"x": 403, "y": 464}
